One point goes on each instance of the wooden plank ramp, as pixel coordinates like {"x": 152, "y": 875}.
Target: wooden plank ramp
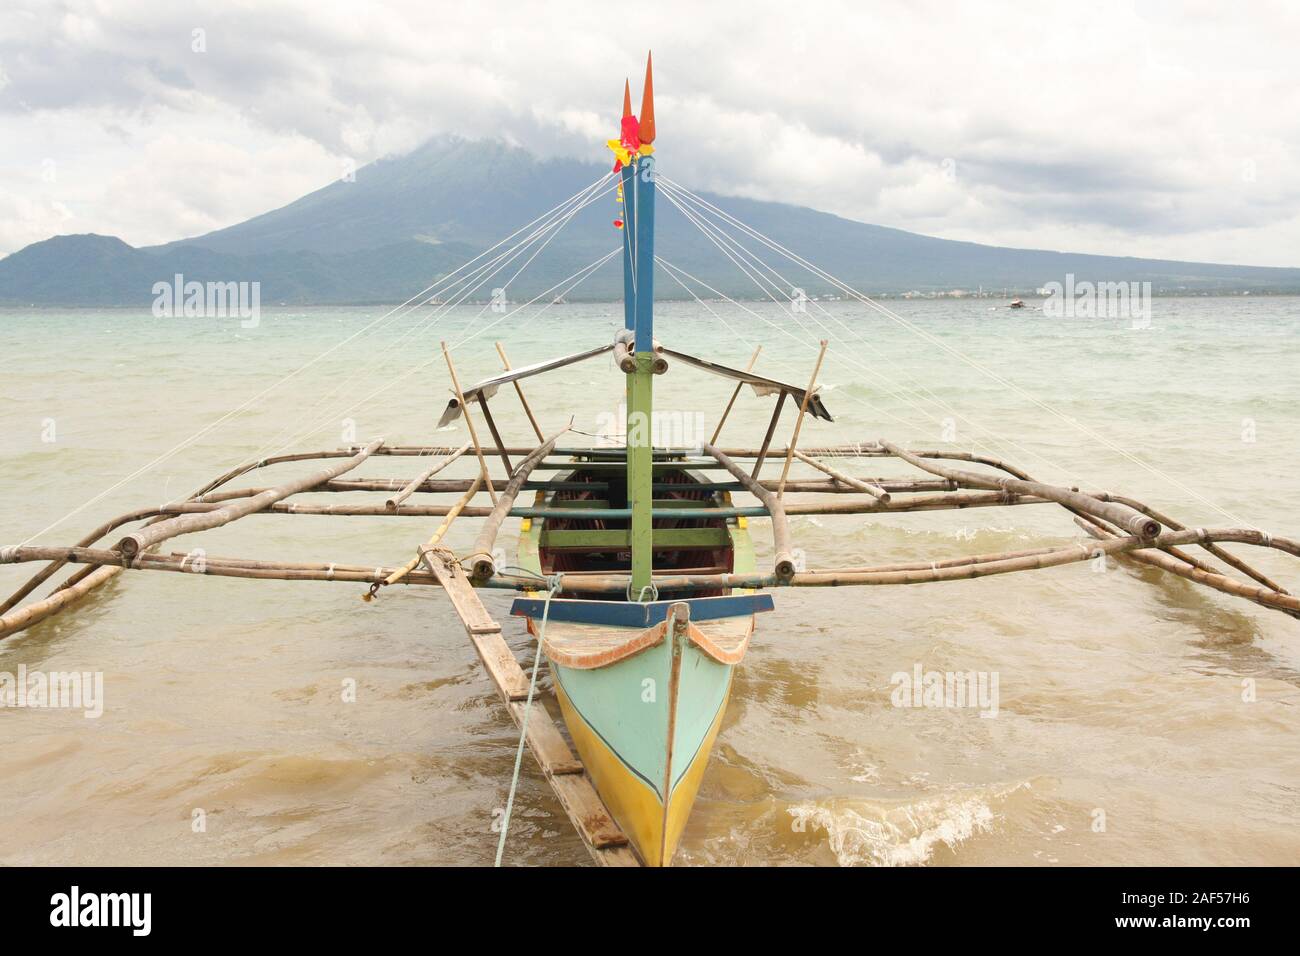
{"x": 564, "y": 771}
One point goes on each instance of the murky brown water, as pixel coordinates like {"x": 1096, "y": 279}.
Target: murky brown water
{"x": 1120, "y": 693}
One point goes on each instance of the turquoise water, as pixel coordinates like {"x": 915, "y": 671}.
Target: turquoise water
{"x": 1120, "y": 691}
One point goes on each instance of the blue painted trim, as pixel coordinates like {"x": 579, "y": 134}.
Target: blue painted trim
{"x": 636, "y": 614}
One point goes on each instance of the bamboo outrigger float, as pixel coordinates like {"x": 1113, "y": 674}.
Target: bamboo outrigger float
{"x": 635, "y": 567}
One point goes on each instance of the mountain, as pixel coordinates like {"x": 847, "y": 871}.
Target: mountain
{"x": 406, "y": 220}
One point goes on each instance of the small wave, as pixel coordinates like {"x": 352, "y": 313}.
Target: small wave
{"x": 864, "y": 833}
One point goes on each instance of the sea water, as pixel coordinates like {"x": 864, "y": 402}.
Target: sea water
{"x": 1140, "y": 719}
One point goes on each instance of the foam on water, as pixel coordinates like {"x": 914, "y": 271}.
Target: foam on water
{"x": 866, "y": 833}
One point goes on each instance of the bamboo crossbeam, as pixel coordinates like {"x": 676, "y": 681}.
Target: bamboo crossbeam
{"x": 55, "y": 565}
{"x": 784, "y": 562}
{"x": 415, "y": 483}
{"x": 213, "y": 566}
{"x": 1225, "y": 556}
{"x": 880, "y": 494}
{"x": 410, "y": 566}
{"x": 960, "y": 568}
{"x": 798, "y": 422}
{"x": 135, "y": 543}
{"x": 858, "y": 505}
{"x": 87, "y": 579}
{"x": 1266, "y": 597}
{"x": 623, "y": 354}
{"x": 458, "y": 485}
{"x": 1120, "y": 515}
{"x": 487, "y": 536}
{"x": 25, "y": 617}
{"x": 868, "y": 449}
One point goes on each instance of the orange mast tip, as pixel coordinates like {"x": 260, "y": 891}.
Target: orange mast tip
{"x": 627, "y": 98}
{"x": 648, "y": 104}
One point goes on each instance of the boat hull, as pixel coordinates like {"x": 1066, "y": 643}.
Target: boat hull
{"x": 642, "y": 686}
{"x": 645, "y": 727}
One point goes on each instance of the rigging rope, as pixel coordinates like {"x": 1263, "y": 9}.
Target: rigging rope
{"x": 185, "y": 443}
{"x": 848, "y": 359}
{"x": 957, "y": 353}
{"x": 553, "y": 226}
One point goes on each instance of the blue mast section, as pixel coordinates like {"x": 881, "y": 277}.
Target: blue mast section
{"x": 644, "y": 190}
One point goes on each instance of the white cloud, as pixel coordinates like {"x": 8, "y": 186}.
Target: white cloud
{"x": 1155, "y": 129}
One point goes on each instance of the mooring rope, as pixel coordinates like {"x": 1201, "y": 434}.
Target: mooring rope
{"x": 555, "y": 582}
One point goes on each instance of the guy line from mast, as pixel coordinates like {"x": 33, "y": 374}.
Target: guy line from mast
{"x": 581, "y": 275}
{"x": 957, "y": 353}
{"x": 250, "y": 402}
{"x": 281, "y": 442}
{"x": 847, "y": 357}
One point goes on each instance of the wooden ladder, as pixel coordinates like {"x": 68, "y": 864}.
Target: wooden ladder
{"x": 564, "y": 771}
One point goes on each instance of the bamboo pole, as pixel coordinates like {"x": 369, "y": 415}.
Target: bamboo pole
{"x": 1266, "y": 597}
{"x": 767, "y": 438}
{"x": 53, "y": 567}
{"x": 537, "y": 429}
{"x": 880, "y": 494}
{"x": 496, "y": 435}
{"x": 798, "y": 422}
{"x": 1120, "y": 515}
{"x": 469, "y": 422}
{"x": 784, "y": 563}
{"x": 458, "y": 485}
{"x": 442, "y": 529}
{"x": 962, "y": 568}
{"x": 25, "y": 617}
{"x": 944, "y": 501}
{"x": 410, "y": 487}
{"x": 1225, "y": 556}
{"x": 100, "y": 558}
{"x": 734, "y": 395}
{"x": 133, "y": 544}
{"x": 483, "y": 565}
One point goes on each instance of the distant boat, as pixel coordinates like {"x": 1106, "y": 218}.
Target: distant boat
{"x": 558, "y": 300}
{"x": 1017, "y": 304}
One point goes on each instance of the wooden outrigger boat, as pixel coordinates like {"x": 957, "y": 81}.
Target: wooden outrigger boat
{"x": 643, "y": 685}
{"x": 635, "y": 568}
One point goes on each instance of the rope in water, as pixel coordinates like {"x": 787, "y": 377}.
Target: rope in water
{"x": 553, "y": 590}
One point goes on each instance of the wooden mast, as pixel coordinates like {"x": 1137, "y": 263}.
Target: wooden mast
{"x": 638, "y": 297}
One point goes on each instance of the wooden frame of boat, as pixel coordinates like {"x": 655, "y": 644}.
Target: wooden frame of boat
{"x": 646, "y": 554}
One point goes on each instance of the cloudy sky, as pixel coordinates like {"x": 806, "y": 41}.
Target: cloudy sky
{"x": 1143, "y": 128}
